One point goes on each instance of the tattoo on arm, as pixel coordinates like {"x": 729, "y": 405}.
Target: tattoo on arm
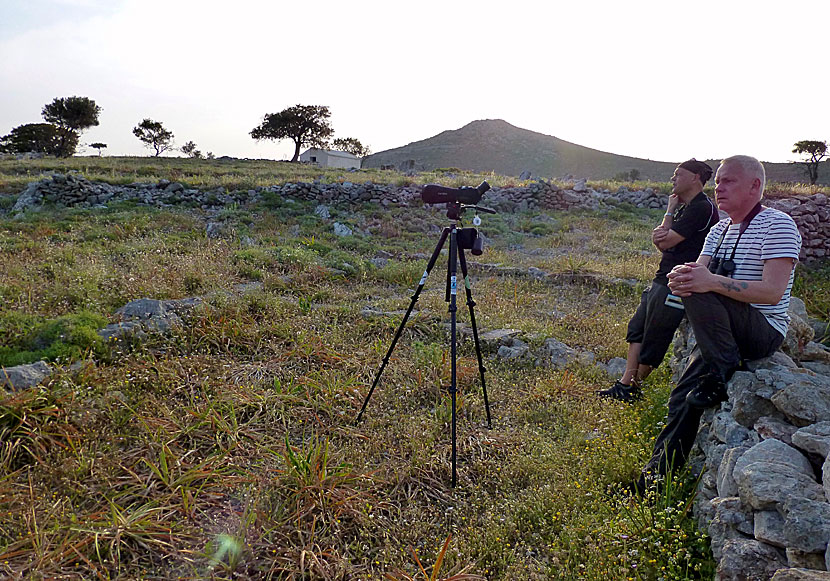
{"x": 734, "y": 286}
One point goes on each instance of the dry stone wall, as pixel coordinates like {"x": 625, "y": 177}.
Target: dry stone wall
{"x": 809, "y": 212}
{"x": 764, "y": 460}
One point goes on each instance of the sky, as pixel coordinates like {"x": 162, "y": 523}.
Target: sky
{"x": 660, "y": 80}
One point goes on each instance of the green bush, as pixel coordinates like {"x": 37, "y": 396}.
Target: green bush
{"x": 349, "y": 263}
{"x": 63, "y": 339}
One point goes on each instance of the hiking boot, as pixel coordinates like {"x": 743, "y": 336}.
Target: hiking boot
{"x": 710, "y": 391}
{"x": 622, "y": 392}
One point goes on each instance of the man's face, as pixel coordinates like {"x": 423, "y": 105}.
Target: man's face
{"x": 734, "y": 188}
{"x": 684, "y": 182}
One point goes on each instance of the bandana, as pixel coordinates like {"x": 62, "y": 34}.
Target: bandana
{"x": 703, "y": 171}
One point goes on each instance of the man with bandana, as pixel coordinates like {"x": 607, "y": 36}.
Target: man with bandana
{"x": 688, "y": 218}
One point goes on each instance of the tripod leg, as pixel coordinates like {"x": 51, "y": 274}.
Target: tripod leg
{"x": 415, "y": 296}
{"x": 452, "y": 288}
{"x": 471, "y": 304}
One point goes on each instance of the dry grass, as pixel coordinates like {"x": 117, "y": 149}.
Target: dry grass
{"x": 229, "y": 451}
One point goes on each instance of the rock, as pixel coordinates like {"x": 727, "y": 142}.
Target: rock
{"x": 727, "y": 430}
{"x": 814, "y": 439}
{"x": 765, "y": 486}
{"x": 214, "y": 230}
{"x": 805, "y": 401}
{"x": 800, "y": 575}
{"x": 731, "y": 520}
{"x": 775, "y": 452}
{"x": 809, "y": 561}
{"x": 492, "y": 340}
{"x": 749, "y": 560}
{"x": 769, "y": 528}
{"x": 322, "y": 211}
{"x": 750, "y": 397}
{"x": 815, "y": 352}
{"x": 726, "y": 485}
{"x": 616, "y": 367}
{"x": 342, "y": 230}
{"x": 22, "y": 377}
{"x": 557, "y": 354}
{"x": 513, "y": 349}
{"x": 807, "y": 524}
{"x": 768, "y": 427}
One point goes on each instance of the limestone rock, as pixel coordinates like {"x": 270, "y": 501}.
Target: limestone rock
{"x": 22, "y": 377}
{"x": 749, "y": 560}
{"x": 806, "y": 400}
{"x": 807, "y": 524}
{"x": 814, "y": 439}
{"x": 769, "y": 528}
{"x": 800, "y": 575}
{"x": 731, "y": 521}
{"x": 768, "y": 427}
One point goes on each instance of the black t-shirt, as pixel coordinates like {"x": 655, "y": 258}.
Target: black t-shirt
{"x": 692, "y": 221}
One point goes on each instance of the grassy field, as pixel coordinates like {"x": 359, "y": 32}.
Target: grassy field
{"x": 228, "y": 450}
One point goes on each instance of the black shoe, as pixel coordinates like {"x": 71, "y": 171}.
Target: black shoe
{"x": 622, "y": 392}
{"x": 710, "y": 391}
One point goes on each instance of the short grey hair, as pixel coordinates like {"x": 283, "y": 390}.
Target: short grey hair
{"x": 751, "y": 166}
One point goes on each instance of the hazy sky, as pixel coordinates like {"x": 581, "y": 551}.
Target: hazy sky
{"x": 656, "y": 79}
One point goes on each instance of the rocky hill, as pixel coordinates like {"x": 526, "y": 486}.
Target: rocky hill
{"x": 495, "y": 145}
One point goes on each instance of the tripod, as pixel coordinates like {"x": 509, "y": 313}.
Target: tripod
{"x": 459, "y": 240}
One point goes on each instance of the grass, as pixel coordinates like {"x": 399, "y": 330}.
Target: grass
{"x": 228, "y": 450}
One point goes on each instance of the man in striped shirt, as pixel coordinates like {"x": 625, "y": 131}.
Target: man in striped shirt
{"x": 736, "y": 297}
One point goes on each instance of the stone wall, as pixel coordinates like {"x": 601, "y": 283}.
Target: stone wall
{"x": 764, "y": 459}
{"x": 809, "y": 212}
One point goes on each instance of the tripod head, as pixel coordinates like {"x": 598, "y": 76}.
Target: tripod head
{"x": 457, "y": 199}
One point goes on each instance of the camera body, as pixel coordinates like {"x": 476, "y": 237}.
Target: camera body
{"x": 722, "y": 266}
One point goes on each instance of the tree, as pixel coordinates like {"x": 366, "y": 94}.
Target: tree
{"x": 154, "y": 135}
{"x": 38, "y": 138}
{"x": 71, "y": 115}
{"x": 350, "y": 145}
{"x": 99, "y": 146}
{"x": 304, "y": 124}
{"x": 189, "y": 149}
{"x": 817, "y": 150}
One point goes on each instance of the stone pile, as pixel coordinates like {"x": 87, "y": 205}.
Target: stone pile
{"x": 812, "y": 216}
{"x": 764, "y": 492}
{"x": 75, "y": 190}
{"x": 809, "y": 212}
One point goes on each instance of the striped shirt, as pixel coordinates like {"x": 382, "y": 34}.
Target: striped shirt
{"x": 771, "y": 234}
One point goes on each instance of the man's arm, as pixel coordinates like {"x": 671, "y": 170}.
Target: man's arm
{"x": 663, "y": 237}
{"x": 694, "y": 277}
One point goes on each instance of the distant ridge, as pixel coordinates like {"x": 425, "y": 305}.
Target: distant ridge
{"x": 496, "y": 145}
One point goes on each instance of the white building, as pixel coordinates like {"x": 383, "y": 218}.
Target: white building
{"x": 328, "y": 158}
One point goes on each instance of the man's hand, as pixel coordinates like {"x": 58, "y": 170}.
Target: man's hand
{"x": 659, "y": 234}
{"x": 688, "y": 278}
{"x": 674, "y": 201}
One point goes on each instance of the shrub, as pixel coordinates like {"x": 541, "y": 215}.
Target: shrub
{"x": 63, "y": 339}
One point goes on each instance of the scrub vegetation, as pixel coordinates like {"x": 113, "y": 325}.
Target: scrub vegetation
{"x": 228, "y": 449}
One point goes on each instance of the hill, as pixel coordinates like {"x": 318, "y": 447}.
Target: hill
{"x": 495, "y": 145}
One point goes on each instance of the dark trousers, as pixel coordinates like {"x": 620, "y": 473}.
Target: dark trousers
{"x": 727, "y": 332}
